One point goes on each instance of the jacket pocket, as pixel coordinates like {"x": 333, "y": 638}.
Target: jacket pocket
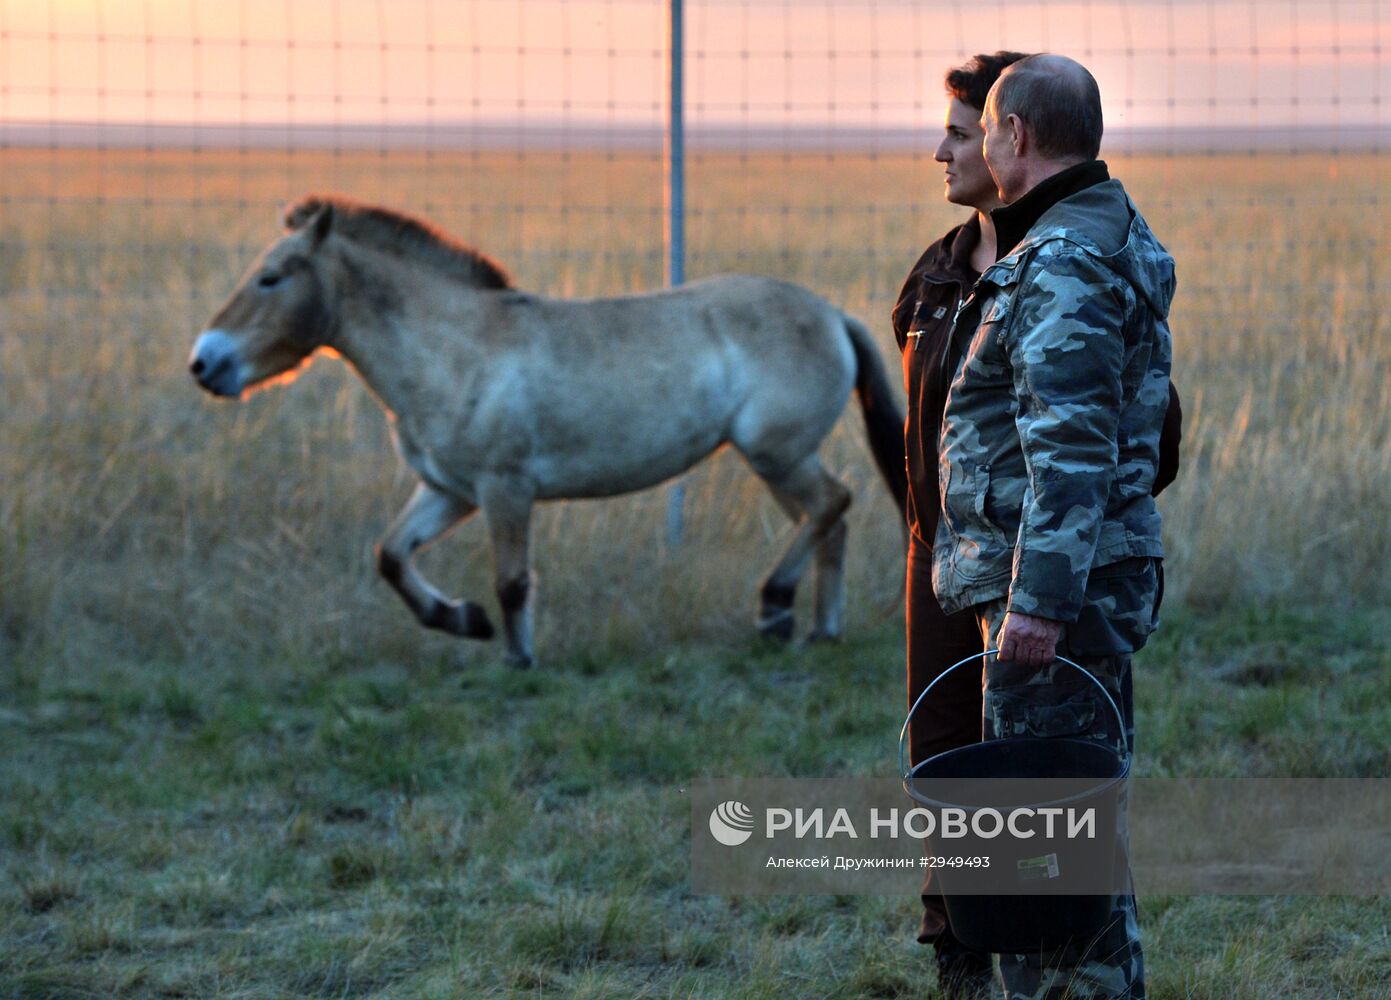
{"x": 1118, "y": 614}
{"x": 998, "y": 288}
{"x": 995, "y": 313}
{"x": 981, "y": 549}
{"x": 960, "y": 504}
{"x": 1000, "y": 503}
{"x": 1042, "y": 710}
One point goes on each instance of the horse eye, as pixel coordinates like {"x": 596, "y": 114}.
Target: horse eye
{"x": 268, "y": 280}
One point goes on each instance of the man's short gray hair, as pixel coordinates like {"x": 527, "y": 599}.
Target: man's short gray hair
{"x": 1059, "y": 100}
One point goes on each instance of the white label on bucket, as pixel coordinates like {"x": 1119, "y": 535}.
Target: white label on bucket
{"x": 1044, "y": 866}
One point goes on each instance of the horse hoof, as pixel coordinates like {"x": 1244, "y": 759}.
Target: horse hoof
{"x": 520, "y": 661}
{"x": 817, "y": 635}
{"x": 776, "y": 625}
{"x": 460, "y": 618}
{"x": 476, "y": 623}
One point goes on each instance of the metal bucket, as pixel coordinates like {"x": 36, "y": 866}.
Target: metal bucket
{"x": 1033, "y": 911}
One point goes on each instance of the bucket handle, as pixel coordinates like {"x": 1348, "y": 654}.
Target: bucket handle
{"x": 905, "y": 769}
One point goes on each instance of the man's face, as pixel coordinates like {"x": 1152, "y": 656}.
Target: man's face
{"x": 997, "y": 150}
{"x": 968, "y": 180}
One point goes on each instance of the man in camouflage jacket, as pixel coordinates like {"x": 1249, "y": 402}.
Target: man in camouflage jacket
{"x": 1049, "y": 452}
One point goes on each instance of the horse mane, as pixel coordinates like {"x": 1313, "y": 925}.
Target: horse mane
{"x": 402, "y": 235}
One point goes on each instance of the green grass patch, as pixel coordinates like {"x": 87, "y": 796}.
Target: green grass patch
{"x": 368, "y": 829}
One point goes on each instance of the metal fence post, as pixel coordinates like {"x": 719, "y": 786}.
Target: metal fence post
{"x": 675, "y": 227}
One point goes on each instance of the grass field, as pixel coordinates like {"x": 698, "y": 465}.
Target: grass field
{"x": 236, "y": 768}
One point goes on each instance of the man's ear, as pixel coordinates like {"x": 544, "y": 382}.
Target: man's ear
{"x": 1018, "y": 135}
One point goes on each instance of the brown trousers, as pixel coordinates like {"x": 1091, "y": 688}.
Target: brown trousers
{"x": 951, "y": 715}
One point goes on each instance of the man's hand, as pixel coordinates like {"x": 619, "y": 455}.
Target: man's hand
{"x": 1027, "y": 640}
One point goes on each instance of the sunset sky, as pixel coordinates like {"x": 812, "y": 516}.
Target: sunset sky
{"x": 1189, "y": 63}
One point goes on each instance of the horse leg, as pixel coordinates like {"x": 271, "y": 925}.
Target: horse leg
{"x": 817, "y": 501}
{"x": 779, "y": 588}
{"x": 830, "y": 581}
{"x": 508, "y": 512}
{"x": 428, "y": 514}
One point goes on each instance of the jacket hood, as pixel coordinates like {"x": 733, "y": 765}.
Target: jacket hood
{"x": 1103, "y": 221}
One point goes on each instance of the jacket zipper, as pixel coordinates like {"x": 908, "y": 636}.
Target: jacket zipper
{"x": 945, "y": 371}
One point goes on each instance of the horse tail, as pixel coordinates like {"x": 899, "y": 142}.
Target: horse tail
{"x": 883, "y": 418}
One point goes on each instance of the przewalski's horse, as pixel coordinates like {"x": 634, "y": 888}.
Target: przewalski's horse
{"x": 498, "y": 399}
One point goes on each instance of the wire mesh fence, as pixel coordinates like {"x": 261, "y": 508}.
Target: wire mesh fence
{"x": 147, "y": 149}
{"x": 535, "y": 128}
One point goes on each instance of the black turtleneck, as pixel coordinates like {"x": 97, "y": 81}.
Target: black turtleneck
{"x": 1013, "y": 221}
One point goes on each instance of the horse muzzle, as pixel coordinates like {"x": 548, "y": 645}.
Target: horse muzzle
{"x": 215, "y": 364}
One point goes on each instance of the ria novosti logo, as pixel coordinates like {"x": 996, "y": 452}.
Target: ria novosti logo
{"x": 731, "y": 823}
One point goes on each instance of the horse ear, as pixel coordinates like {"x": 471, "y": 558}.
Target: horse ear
{"x": 300, "y": 212}
{"x": 312, "y": 212}
{"x": 321, "y": 224}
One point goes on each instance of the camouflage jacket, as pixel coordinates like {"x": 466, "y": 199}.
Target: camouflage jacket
{"x": 1050, "y": 439}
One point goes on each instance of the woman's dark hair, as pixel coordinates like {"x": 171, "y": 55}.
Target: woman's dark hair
{"x": 971, "y": 82}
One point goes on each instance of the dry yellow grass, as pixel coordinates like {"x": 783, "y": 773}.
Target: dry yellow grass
{"x": 239, "y": 768}
{"x": 139, "y": 518}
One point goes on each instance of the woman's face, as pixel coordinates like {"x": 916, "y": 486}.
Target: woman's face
{"x": 968, "y": 179}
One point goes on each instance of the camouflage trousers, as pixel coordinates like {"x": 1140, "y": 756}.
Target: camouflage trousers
{"x": 1120, "y": 611}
